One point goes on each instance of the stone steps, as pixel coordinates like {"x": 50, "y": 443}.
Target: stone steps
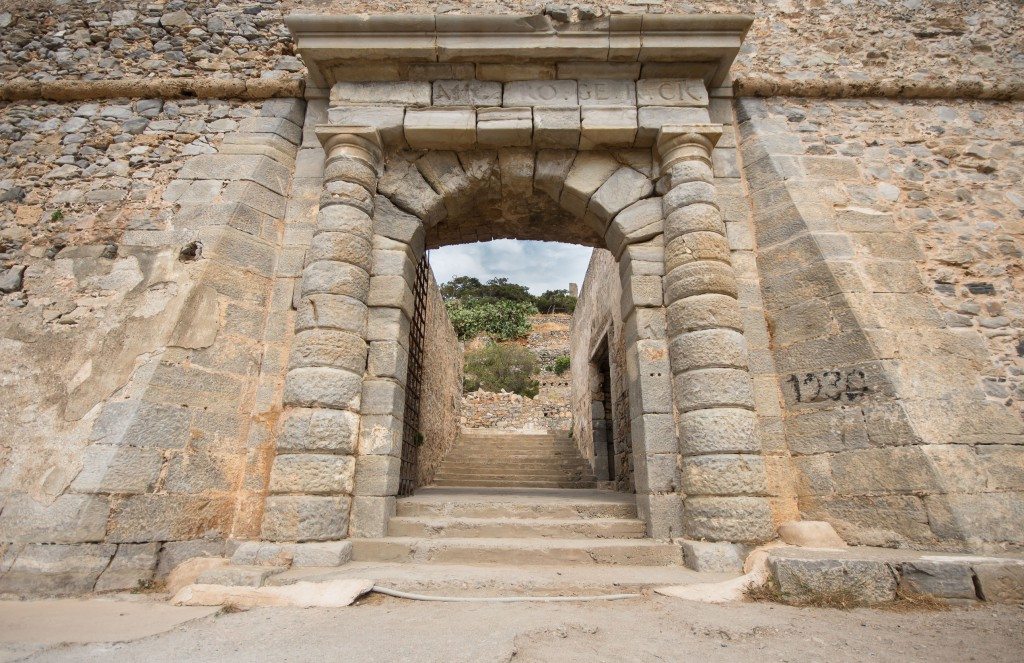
{"x": 509, "y": 551}
{"x": 510, "y": 483}
{"x": 514, "y": 503}
{"x": 496, "y": 528}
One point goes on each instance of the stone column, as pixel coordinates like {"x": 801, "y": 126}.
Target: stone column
{"x": 722, "y": 466}
{"x": 311, "y": 482}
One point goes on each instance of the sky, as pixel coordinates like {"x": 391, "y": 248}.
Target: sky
{"x": 539, "y": 266}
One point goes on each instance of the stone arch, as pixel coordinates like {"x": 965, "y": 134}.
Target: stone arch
{"x": 604, "y": 199}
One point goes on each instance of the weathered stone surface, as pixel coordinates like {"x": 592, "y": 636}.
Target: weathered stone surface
{"x": 326, "y": 311}
{"x": 332, "y": 553}
{"x": 549, "y": 94}
{"x": 307, "y": 518}
{"x": 189, "y": 570}
{"x": 67, "y": 519}
{"x": 467, "y": 93}
{"x": 329, "y": 348}
{"x": 440, "y": 128}
{"x": 708, "y": 348}
{"x": 707, "y": 557}
{"x": 335, "y": 278}
{"x": 671, "y": 92}
{"x": 238, "y": 576}
{"x": 556, "y": 127}
{"x": 718, "y": 430}
{"x": 607, "y": 126}
{"x": 810, "y": 534}
{"x": 946, "y": 579}
{"x": 118, "y": 469}
{"x": 312, "y": 474}
{"x": 55, "y": 570}
{"x": 606, "y": 92}
{"x": 713, "y": 388}
{"x": 868, "y": 582}
{"x": 504, "y": 127}
{"x": 413, "y": 93}
{"x": 132, "y": 566}
{"x": 1001, "y": 582}
{"x": 736, "y": 519}
{"x": 725, "y": 474}
{"x": 323, "y": 387}
{"x": 623, "y": 188}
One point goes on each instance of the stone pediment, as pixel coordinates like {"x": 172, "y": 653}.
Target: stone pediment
{"x": 702, "y": 45}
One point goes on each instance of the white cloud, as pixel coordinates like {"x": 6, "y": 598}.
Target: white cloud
{"x": 539, "y": 266}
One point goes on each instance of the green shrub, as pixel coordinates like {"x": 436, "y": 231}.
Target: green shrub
{"x": 561, "y": 365}
{"x": 503, "y": 320}
{"x": 501, "y": 366}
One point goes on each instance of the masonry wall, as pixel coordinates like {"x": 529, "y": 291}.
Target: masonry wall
{"x": 136, "y": 293}
{"x": 889, "y": 237}
{"x": 441, "y": 395}
{"x": 597, "y": 317}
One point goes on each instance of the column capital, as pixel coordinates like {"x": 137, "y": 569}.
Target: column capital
{"x": 362, "y": 143}
{"x": 686, "y": 142}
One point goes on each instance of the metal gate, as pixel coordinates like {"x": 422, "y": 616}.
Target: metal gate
{"x": 411, "y": 436}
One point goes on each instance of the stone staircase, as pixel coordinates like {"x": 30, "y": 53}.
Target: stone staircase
{"x": 486, "y": 458}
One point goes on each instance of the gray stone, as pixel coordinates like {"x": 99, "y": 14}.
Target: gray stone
{"x": 332, "y": 553}
{"x": 238, "y": 576}
{"x": 708, "y": 557}
{"x": 306, "y": 518}
{"x": 323, "y": 387}
{"x": 1001, "y": 582}
{"x": 11, "y": 279}
{"x": 736, "y": 519}
{"x": 556, "y": 127}
{"x": 466, "y": 93}
{"x": 320, "y": 430}
{"x": 174, "y": 553}
{"x": 312, "y": 474}
{"x": 549, "y": 94}
{"x": 607, "y": 93}
{"x": 262, "y": 553}
{"x": 863, "y": 581}
{"x": 414, "y": 93}
{"x": 118, "y": 469}
{"x": 47, "y": 570}
{"x": 671, "y": 92}
{"x": 946, "y": 580}
{"x": 132, "y": 566}
{"x": 623, "y": 188}
{"x": 67, "y": 519}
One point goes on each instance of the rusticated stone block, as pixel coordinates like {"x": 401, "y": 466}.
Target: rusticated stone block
{"x": 725, "y": 474}
{"x": 639, "y": 222}
{"x": 329, "y": 553}
{"x": 689, "y": 193}
{"x": 370, "y": 515}
{"x": 306, "y": 518}
{"x": 704, "y": 311}
{"x": 323, "y": 387}
{"x": 713, "y": 388}
{"x": 607, "y": 126}
{"x": 696, "y": 246}
{"x": 708, "y": 348}
{"x": 692, "y": 218}
{"x": 556, "y": 127}
{"x": 718, "y": 430}
{"x": 345, "y": 219}
{"x": 340, "y": 247}
{"x": 377, "y": 475}
{"x": 708, "y": 557}
{"x": 313, "y": 474}
{"x": 947, "y": 580}
{"x": 133, "y": 564}
{"x": 324, "y": 311}
{"x": 699, "y": 278}
{"x": 866, "y": 581}
{"x": 1001, "y": 582}
{"x": 335, "y": 278}
{"x": 328, "y": 347}
{"x": 735, "y": 519}
{"x": 68, "y": 519}
{"x": 118, "y": 469}
{"x": 142, "y": 424}
{"x": 392, "y": 291}
{"x": 623, "y": 188}
{"x": 380, "y": 434}
{"x": 156, "y": 517}
{"x": 383, "y": 397}
{"x": 47, "y": 570}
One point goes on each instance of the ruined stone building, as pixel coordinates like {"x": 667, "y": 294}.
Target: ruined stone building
{"x": 806, "y": 299}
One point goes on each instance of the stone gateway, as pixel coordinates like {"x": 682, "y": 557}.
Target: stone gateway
{"x": 220, "y": 338}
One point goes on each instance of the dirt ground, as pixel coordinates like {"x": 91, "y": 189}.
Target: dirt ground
{"x": 652, "y": 628}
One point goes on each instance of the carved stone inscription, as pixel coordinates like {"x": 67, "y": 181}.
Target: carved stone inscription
{"x": 607, "y": 93}
{"x": 551, "y": 94}
{"x": 671, "y": 92}
{"x": 467, "y": 93}
{"x": 839, "y": 386}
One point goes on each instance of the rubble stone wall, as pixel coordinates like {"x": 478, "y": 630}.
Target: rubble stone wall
{"x": 441, "y": 395}
{"x": 597, "y": 319}
{"x": 817, "y": 48}
{"x": 549, "y": 409}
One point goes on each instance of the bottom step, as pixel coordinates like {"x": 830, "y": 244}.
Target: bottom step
{"x": 468, "y": 580}
{"x": 533, "y": 552}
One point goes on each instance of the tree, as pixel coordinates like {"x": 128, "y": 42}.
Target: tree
{"x": 503, "y": 320}
{"x": 501, "y": 366}
{"x": 469, "y": 290}
{"x": 556, "y": 301}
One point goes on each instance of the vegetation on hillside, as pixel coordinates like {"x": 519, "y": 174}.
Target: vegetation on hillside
{"x": 499, "y": 366}
{"x": 498, "y": 308}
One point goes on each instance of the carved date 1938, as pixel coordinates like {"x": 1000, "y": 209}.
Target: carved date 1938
{"x": 850, "y": 385}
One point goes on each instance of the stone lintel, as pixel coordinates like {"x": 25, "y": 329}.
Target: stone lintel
{"x": 325, "y": 40}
